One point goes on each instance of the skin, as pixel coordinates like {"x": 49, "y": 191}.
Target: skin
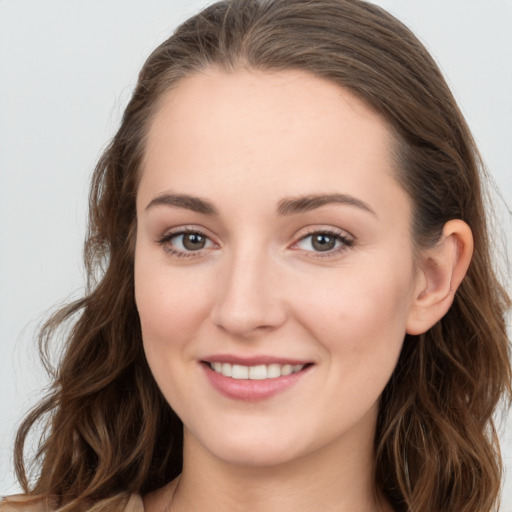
{"x": 245, "y": 142}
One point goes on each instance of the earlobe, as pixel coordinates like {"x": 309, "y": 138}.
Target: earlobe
{"x": 442, "y": 269}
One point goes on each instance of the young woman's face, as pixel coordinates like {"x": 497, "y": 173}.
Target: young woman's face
{"x": 274, "y": 271}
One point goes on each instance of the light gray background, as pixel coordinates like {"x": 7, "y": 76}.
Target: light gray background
{"x": 67, "y": 70}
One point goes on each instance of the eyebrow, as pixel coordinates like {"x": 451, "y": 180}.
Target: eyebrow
{"x": 287, "y": 206}
{"x": 292, "y": 205}
{"x": 186, "y": 201}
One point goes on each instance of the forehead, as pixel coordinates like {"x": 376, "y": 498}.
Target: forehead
{"x": 287, "y": 103}
{"x": 286, "y": 133}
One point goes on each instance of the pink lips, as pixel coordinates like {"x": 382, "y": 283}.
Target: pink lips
{"x": 248, "y": 389}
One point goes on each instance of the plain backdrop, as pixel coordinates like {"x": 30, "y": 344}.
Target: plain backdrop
{"x": 67, "y": 68}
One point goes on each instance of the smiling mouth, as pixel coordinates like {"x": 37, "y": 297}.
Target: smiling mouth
{"x": 258, "y": 379}
{"x": 257, "y": 372}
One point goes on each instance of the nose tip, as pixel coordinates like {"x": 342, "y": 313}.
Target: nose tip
{"x": 242, "y": 324}
{"x": 248, "y": 302}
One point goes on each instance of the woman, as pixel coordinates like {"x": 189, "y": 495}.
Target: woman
{"x": 297, "y": 307}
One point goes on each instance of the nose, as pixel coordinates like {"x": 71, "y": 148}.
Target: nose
{"x": 249, "y": 299}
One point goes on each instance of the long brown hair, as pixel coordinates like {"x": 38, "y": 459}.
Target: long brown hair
{"x": 109, "y": 431}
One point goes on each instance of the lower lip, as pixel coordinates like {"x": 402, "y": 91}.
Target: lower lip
{"x": 251, "y": 390}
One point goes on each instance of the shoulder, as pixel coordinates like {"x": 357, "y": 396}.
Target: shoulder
{"x": 23, "y": 503}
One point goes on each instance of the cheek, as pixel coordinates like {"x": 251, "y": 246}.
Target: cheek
{"x": 171, "y": 307}
{"x": 171, "y": 312}
{"x": 361, "y": 315}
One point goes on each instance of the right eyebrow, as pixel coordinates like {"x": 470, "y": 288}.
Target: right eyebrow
{"x": 293, "y": 205}
{"x": 196, "y": 204}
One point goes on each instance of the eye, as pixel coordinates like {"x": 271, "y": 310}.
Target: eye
{"x": 189, "y": 241}
{"x": 185, "y": 242}
{"x": 324, "y": 242}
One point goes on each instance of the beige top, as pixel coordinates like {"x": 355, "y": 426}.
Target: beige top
{"x": 134, "y": 505}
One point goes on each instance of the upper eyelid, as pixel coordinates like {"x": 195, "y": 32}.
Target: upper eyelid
{"x": 180, "y": 230}
{"x": 311, "y": 230}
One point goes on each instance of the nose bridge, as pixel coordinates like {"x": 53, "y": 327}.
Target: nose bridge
{"x": 248, "y": 299}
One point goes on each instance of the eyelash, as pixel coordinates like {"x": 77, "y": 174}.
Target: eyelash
{"x": 346, "y": 242}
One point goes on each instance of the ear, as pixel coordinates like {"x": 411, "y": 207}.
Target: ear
{"x": 440, "y": 273}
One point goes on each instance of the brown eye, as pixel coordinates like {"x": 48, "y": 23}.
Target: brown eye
{"x": 186, "y": 243}
{"x": 323, "y": 242}
{"x": 327, "y": 242}
{"x": 193, "y": 241}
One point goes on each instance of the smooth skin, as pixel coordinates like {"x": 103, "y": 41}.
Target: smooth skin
{"x": 228, "y": 262}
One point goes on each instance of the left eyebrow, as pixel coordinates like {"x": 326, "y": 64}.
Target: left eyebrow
{"x": 185, "y": 201}
{"x": 293, "y": 205}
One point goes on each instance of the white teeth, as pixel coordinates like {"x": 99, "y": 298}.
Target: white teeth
{"x": 286, "y": 369}
{"x": 258, "y": 372}
{"x": 273, "y": 371}
{"x": 226, "y": 370}
{"x": 239, "y": 372}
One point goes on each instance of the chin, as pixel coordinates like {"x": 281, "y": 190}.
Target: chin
{"x": 252, "y": 449}
{"x": 257, "y": 456}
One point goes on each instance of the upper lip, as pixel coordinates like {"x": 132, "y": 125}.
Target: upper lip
{"x": 253, "y": 360}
